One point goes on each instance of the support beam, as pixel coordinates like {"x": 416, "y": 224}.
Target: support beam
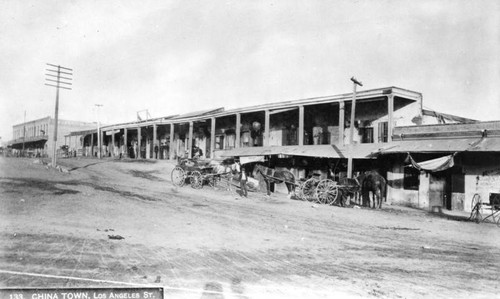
{"x": 238, "y": 130}
{"x": 125, "y": 147}
{"x": 92, "y": 144}
{"x": 155, "y": 142}
{"x": 267, "y": 128}
{"x": 171, "y": 146}
{"x": 112, "y": 148}
{"x": 341, "y": 122}
{"x": 190, "y": 140}
{"x": 300, "y": 130}
{"x": 390, "y": 116}
{"x": 139, "y": 137}
{"x": 212, "y": 137}
{"x": 101, "y": 142}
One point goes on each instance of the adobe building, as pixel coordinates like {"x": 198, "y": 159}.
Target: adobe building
{"x": 442, "y": 166}
{"x": 309, "y": 134}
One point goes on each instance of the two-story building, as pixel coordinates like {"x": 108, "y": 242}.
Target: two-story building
{"x": 36, "y": 137}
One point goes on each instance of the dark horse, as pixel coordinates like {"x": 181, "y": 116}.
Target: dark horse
{"x": 276, "y": 176}
{"x": 372, "y": 181}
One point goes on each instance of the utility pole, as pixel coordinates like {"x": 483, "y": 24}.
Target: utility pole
{"x": 98, "y": 132}
{"x": 58, "y": 75}
{"x": 351, "y": 129}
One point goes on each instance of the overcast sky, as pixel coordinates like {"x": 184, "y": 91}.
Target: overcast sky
{"x": 173, "y": 57}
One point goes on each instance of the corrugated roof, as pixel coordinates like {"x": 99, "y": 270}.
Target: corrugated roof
{"x": 443, "y": 145}
{"x": 199, "y": 113}
{"x": 359, "y": 151}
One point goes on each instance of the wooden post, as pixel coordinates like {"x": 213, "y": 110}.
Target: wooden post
{"x": 138, "y": 142}
{"x": 300, "y": 130}
{"x": 92, "y": 144}
{"x": 351, "y": 129}
{"x": 238, "y": 130}
{"x": 341, "y": 122}
{"x": 155, "y": 142}
{"x": 212, "y": 137}
{"x": 171, "y": 146}
{"x": 267, "y": 128}
{"x": 101, "y": 141}
{"x": 125, "y": 147}
{"x": 112, "y": 149}
{"x": 190, "y": 140}
{"x": 390, "y": 116}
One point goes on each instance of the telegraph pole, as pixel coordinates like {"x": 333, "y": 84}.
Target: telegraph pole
{"x": 57, "y": 75}
{"x": 351, "y": 129}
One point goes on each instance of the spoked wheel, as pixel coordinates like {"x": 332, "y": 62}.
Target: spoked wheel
{"x": 196, "y": 180}
{"x": 308, "y": 189}
{"x": 475, "y": 214}
{"x": 327, "y": 192}
{"x": 178, "y": 176}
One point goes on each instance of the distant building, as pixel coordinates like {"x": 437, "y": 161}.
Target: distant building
{"x": 36, "y": 136}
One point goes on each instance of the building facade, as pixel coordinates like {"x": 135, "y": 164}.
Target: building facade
{"x": 301, "y": 130}
{"x": 443, "y": 166}
{"x": 36, "y": 137}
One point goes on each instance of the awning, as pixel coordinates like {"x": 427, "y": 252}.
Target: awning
{"x": 359, "y": 151}
{"x": 250, "y": 159}
{"x": 28, "y": 142}
{"x": 434, "y": 165}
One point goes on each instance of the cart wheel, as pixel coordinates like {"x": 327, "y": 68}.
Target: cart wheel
{"x": 475, "y": 214}
{"x": 327, "y": 192}
{"x": 196, "y": 180}
{"x": 308, "y": 190}
{"x": 475, "y": 200}
{"x": 476, "y": 208}
{"x": 178, "y": 176}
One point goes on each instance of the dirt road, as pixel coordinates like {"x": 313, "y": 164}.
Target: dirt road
{"x": 63, "y": 230}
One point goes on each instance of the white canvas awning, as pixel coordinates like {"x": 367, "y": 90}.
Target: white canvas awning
{"x": 434, "y": 165}
{"x": 250, "y": 159}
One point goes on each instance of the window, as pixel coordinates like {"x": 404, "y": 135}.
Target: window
{"x": 219, "y": 142}
{"x": 367, "y": 135}
{"x": 383, "y": 129}
{"x": 411, "y": 178}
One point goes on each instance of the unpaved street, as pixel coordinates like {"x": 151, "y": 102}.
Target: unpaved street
{"x": 64, "y": 230}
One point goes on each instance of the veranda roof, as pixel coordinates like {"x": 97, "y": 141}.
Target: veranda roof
{"x": 359, "y": 151}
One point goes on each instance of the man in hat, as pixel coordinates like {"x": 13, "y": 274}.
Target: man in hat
{"x": 243, "y": 178}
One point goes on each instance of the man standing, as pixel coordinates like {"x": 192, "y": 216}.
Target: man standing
{"x": 243, "y": 179}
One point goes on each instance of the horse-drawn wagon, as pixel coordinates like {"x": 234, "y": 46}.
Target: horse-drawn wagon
{"x": 327, "y": 191}
{"x": 200, "y": 172}
{"x": 193, "y": 171}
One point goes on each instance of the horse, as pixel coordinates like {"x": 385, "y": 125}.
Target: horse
{"x": 372, "y": 181}
{"x": 276, "y": 176}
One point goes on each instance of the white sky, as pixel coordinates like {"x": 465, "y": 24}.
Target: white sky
{"x": 173, "y": 57}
